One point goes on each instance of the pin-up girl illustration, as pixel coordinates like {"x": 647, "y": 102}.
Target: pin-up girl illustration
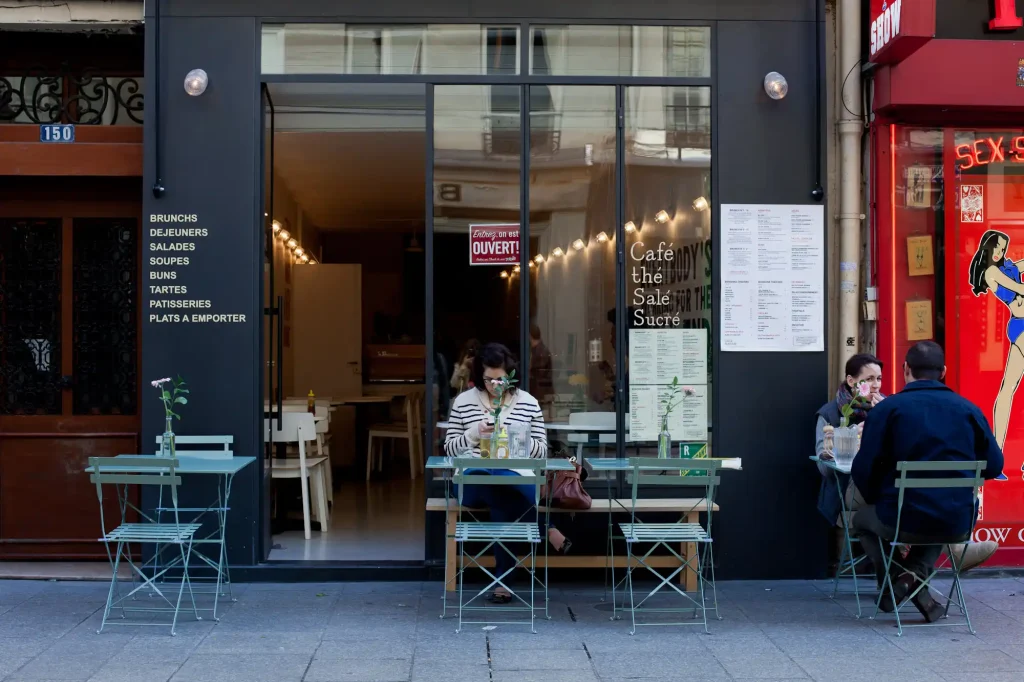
{"x": 991, "y": 271}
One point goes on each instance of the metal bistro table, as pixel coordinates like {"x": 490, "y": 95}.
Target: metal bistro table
{"x": 847, "y": 563}
{"x": 224, "y": 469}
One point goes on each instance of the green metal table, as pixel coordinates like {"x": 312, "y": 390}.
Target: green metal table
{"x": 224, "y": 469}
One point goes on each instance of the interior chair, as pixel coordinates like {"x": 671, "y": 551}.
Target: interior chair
{"x": 407, "y": 429}
{"x": 299, "y": 428}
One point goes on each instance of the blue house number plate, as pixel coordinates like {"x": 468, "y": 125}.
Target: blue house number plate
{"x": 56, "y": 133}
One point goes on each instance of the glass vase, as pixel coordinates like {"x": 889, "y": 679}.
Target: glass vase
{"x": 846, "y": 442}
{"x": 167, "y": 441}
{"x": 664, "y": 444}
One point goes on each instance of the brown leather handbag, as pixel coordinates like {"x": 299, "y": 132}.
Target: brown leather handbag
{"x": 567, "y": 490}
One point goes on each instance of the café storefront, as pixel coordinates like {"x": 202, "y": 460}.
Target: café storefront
{"x": 348, "y": 196}
{"x": 947, "y": 168}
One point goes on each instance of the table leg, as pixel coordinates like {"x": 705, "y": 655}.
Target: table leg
{"x": 450, "y": 551}
{"x": 689, "y": 577}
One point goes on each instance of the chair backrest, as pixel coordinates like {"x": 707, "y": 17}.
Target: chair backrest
{"x": 136, "y": 470}
{"x": 962, "y": 474}
{"x": 296, "y": 427}
{"x": 466, "y": 469}
{"x": 675, "y": 472}
{"x": 602, "y": 420}
{"x": 207, "y": 447}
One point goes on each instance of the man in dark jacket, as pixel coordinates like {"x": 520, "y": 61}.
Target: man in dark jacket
{"x": 925, "y": 422}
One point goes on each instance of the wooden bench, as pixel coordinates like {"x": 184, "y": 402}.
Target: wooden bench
{"x": 692, "y": 507}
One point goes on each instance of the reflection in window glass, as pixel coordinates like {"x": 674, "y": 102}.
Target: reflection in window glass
{"x": 653, "y": 51}
{"x": 572, "y": 266}
{"x": 464, "y": 49}
{"x": 668, "y": 261}
{"x": 476, "y": 188}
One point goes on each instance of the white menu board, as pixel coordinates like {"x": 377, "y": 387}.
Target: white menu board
{"x": 688, "y": 422}
{"x": 657, "y": 356}
{"x": 772, "y": 276}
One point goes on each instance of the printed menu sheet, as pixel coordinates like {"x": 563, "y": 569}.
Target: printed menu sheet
{"x": 688, "y": 422}
{"x": 656, "y": 357}
{"x": 772, "y": 276}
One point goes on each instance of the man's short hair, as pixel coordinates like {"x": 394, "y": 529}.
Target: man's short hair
{"x": 926, "y": 360}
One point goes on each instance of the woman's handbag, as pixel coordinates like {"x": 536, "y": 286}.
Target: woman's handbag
{"x": 566, "y": 488}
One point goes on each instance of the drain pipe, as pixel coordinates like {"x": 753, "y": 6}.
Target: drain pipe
{"x": 851, "y": 128}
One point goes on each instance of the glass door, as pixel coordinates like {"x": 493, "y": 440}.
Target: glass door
{"x": 272, "y": 319}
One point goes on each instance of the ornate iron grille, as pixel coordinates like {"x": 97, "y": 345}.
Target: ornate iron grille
{"x": 30, "y": 316}
{"x": 105, "y": 315}
{"x": 67, "y": 97}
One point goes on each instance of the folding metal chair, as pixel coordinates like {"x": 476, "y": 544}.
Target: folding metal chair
{"x": 122, "y": 472}
{"x": 498, "y": 536}
{"x": 848, "y": 563}
{"x": 959, "y": 475}
{"x": 688, "y": 473}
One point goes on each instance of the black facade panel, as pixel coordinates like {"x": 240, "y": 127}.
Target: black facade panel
{"x": 209, "y": 166}
{"x": 607, "y": 11}
{"x": 768, "y": 526}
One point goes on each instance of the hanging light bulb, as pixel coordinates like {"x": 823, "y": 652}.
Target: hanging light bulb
{"x": 700, "y": 204}
{"x": 557, "y": 252}
{"x": 630, "y": 227}
{"x": 578, "y": 245}
{"x": 285, "y": 235}
{"x": 539, "y": 258}
{"x": 602, "y": 237}
{"x": 662, "y": 216}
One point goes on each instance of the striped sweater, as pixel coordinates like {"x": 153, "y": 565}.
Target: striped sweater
{"x": 468, "y": 414}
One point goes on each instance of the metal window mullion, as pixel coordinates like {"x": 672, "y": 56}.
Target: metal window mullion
{"x": 524, "y": 234}
{"x": 428, "y": 289}
{"x": 620, "y": 276}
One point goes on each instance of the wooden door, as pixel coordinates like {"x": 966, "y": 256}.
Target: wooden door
{"x": 69, "y": 339}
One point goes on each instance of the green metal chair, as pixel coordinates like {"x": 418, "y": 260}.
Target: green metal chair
{"x": 498, "y": 535}
{"x": 686, "y": 473}
{"x": 848, "y": 563}
{"x": 959, "y": 475}
{"x": 122, "y": 472}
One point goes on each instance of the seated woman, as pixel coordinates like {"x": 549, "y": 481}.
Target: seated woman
{"x": 470, "y": 422}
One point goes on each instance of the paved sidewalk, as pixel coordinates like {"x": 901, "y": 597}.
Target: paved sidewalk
{"x": 371, "y": 632}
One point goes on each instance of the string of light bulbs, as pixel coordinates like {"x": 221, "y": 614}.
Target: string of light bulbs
{"x": 300, "y": 254}
{"x": 700, "y": 204}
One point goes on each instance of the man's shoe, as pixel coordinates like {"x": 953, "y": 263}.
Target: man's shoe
{"x": 885, "y": 604}
{"x": 977, "y": 554}
{"x": 929, "y": 608}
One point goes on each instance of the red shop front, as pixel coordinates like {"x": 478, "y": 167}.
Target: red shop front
{"x": 947, "y": 196}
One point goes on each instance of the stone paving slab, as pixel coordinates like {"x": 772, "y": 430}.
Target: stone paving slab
{"x": 391, "y": 632}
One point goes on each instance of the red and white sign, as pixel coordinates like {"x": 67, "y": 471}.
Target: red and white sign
{"x": 898, "y": 28}
{"x": 494, "y": 244}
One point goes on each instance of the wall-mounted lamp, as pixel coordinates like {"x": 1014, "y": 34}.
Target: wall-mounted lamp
{"x": 578, "y": 245}
{"x": 292, "y": 244}
{"x": 277, "y": 226}
{"x": 539, "y": 258}
{"x": 504, "y": 275}
{"x": 304, "y": 258}
{"x": 775, "y": 85}
{"x": 630, "y": 227}
{"x": 700, "y": 204}
{"x": 299, "y": 251}
{"x": 662, "y": 216}
{"x": 558, "y": 253}
{"x": 285, "y": 235}
{"x": 602, "y": 237}
{"x": 196, "y": 82}
{"x": 516, "y": 269}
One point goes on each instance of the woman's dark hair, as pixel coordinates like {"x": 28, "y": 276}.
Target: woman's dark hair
{"x": 857, "y": 363}
{"x": 493, "y": 355}
{"x": 983, "y": 259}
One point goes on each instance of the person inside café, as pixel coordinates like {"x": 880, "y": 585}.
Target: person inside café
{"x": 926, "y": 421}
{"x": 462, "y": 373}
{"x": 471, "y": 422}
{"x": 541, "y": 370}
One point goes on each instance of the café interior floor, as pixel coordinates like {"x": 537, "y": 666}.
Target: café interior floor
{"x": 380, "y": 520}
